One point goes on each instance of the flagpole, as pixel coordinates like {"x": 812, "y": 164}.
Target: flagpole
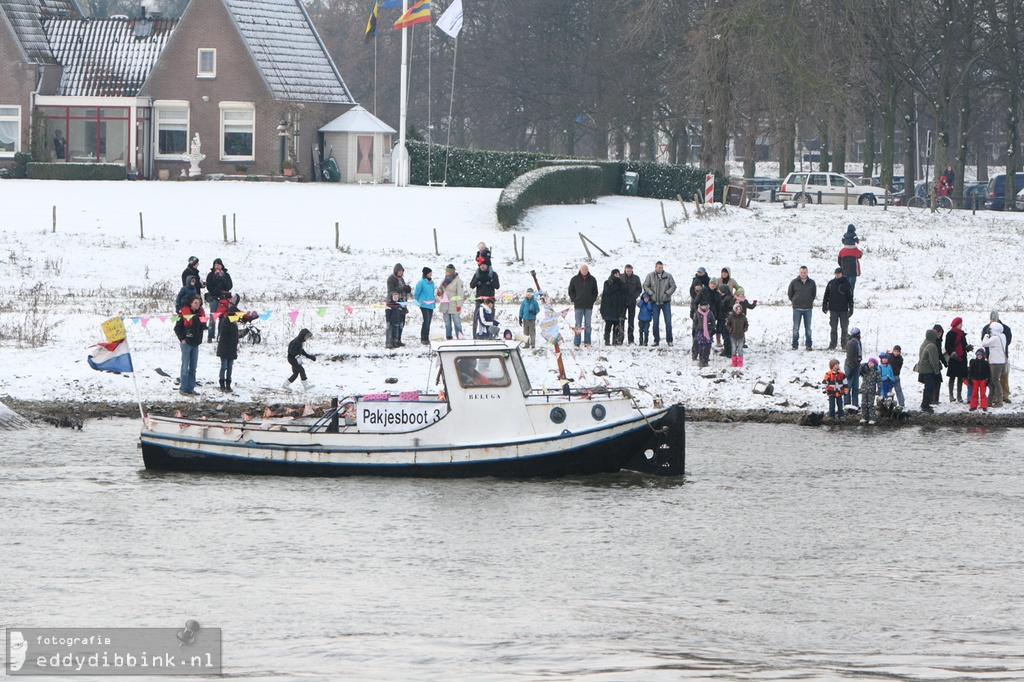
{"x": 375, "y": 71}
{"x": 451, "y": 108}
{"x": 403, "y": 158}
{"x": 138, "y": 394}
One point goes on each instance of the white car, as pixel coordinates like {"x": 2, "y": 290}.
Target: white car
{"x": 832, "y": 187}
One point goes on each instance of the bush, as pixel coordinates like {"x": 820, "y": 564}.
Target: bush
{"x": 550, "y": 185}
{"x": 77, "y": 171}
{"x": 468, "y": 167}
{"x": 21, "y": 161}
{"x": 665, "y": 181}
{"x": 611, "y": 172}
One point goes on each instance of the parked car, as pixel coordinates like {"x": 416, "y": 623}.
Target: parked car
{"x": 895, "y": 188}
{"x": 974, "y": 191}
{"x": 833, "y": 188}
{"x": 1020, "y": 200}
{"x": 760, "y": 189}
{"x": 995, "y": 193}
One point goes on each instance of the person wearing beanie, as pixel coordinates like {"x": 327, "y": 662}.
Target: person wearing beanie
{"x": 192, "y": 270}
{"x": 850, "y": 236}
{"x": 957, "y": 350}
{"x": 849, "y": 261}
{"x": 870, "y": 387}
{"x": 852, "y": 366}
{"x": 838, "y": 303}
{"x": 529, "y": 308}
{"x": 451, "y": 292}
{"x": 736, "y": 325}
{"x": 886, "y": 373}
{"x": 979, "y": 373}
{"x": 424, "y": 296}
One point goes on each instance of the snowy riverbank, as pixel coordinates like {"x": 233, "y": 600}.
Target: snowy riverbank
{"x": 56, "y": 287}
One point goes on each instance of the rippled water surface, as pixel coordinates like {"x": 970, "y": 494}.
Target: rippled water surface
{"x": 789, "y": 553}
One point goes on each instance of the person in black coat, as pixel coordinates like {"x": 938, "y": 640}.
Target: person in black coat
{"x": 218, "y": 291}
{"x": 701, "y": 277}
{"x": 613, "y": 308}
{"x": 297, "y": 351}
{"x": 634, "y": 287}
{"x": 486, "y": 283}
{"x": 227, "y": 343}
{"x": 192, "y": 269}
{"x": 583, "y": 294}
{"x": 838, "y": 303}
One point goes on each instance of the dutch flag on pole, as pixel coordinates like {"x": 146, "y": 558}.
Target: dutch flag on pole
{"x": 111, "y": 357}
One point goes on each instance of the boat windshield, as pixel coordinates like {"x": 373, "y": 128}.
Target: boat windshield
{"x": 524, "y": 380}
{"x": 482, "y": 371}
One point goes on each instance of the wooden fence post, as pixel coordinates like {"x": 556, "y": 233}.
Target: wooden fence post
{"x": 664, "y": 221}
{"x": 224, "y": 226}
{"x": 142, "y": 232}
{"x": 437, "y": 252}
{"x": 337, "y": 236}
{"x": 586, "y": 248}
{"x": 54, "y": 218}
{"x": 630, "y": 226}
{"x": 515, "y": 246}
{"x": 522, "y": 251}
{"x": 234, "y": 228}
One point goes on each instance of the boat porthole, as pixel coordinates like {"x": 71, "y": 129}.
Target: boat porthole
{"x": 558, "y": 415}
{"x": 648, "y": 453}
{"x": 598, "y": 412}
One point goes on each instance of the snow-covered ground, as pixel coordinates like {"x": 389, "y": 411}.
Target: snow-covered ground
{"x": 56, "y": 287}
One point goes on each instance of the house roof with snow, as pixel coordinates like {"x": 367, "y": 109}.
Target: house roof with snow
{"x": 288, "y": 51}
{"x": 106, "y": 57}
{"x": 357, "y": 120}
{"x": 26, "y": 18}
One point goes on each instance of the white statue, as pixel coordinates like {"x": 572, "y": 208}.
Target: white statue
{"x": 194, "y": 158}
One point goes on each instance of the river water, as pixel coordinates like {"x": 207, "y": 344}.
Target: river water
{"x": 789, "y": 553}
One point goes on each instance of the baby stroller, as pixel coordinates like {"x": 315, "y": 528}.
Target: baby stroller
{"x": 249, "y": 330}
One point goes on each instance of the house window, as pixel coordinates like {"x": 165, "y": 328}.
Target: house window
{"x": 10, "y": 130}
{"x": 171, "y": 128}
{"x": 207, "y": 63}
{"x": 238, "y": 127}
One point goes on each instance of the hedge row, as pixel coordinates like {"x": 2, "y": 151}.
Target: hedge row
{"x": 472, "y": 168}
{"x": 550, "y": 185}
{"x": 76, "y": 171}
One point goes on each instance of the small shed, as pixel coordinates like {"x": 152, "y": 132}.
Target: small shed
{"x": 361, "y": 145}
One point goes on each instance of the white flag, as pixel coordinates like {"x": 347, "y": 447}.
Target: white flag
{"x": 451, "y": 21}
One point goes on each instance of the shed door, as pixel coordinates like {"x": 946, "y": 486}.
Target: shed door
{"x": 365, "y": 145}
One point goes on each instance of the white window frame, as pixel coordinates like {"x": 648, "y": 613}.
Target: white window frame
{"x": 17, "y": 135}
{"x": 226, "y": 107}
{"x": 170, "y": 105}
{"x": 199, "y": 63}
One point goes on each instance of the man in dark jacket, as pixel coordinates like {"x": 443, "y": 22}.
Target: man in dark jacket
{"x": 838, "y": 302}
{"x": 485, "y": 282}
{"x": 192, "y": 270}
{"x": 634, "y": 287}
{"x": 218, "y": 289}
{"x": 583, "y": 294}
{"x": 802, "y": 292}
{"x": 396, "y": 284}
{"x": 613, "y": 307}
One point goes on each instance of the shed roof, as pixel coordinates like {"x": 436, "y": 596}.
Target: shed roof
{"x": 357, "y": 120}
{"x": 288, "y": 51}
{"x": 26, "y": 17}
{"x": 106, "y": 57}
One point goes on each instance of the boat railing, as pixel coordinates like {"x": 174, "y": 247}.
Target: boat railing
{"x": 579, "y": 393}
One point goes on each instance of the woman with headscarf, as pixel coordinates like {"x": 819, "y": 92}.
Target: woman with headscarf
{"x": 957, "y": 348}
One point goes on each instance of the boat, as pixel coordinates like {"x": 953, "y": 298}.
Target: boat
{"x": 486, "y": 420}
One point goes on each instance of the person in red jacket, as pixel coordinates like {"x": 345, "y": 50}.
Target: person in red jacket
{"x": 835, "y": 388}
{"x": 849, "y": 261}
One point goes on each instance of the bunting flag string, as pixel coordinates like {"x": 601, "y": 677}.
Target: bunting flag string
{"x": 320, "y": 311}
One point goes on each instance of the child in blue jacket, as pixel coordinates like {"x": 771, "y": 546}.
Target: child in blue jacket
{"x": 644, "y": 315}
{"x": 528, "y": 311}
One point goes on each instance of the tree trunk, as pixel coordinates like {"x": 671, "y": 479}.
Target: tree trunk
{"x": 838, "y": 141}
{"x": 909, "y": 149}
{"x": 868, "y": 162}
{"x": 960, "y": 163}
{"x": 888, "y": 127}
{"x": 786, "y": 147}
{"x": 1012, "y": 105}
{"x": 822, "y": 147}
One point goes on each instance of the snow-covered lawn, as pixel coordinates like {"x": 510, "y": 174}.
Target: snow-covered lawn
{"x": 56, "y": 287}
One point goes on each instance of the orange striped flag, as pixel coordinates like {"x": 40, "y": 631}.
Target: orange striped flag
{"x": 417, "y": 14}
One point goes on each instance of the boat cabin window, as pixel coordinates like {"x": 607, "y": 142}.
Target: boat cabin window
{"x": 524, "y": 380}
{"x": 482, "y": 371}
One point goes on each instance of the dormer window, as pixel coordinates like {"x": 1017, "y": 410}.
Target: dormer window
{"x": 207, "y": 63}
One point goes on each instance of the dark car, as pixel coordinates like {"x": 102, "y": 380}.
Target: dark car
{"x": 995, "y": 193}
{"x": 975, "y": 194}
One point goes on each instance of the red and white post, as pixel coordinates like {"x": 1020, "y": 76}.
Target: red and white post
{"x": 709, "y": 189}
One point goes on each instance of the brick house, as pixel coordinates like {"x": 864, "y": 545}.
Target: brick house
{"x": 254, "y": 80}
{"x": 250, "y": 78}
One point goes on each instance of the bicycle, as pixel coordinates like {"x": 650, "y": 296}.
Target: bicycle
{"x": 251, "y": 332}
{"x": 919, "y": 203}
